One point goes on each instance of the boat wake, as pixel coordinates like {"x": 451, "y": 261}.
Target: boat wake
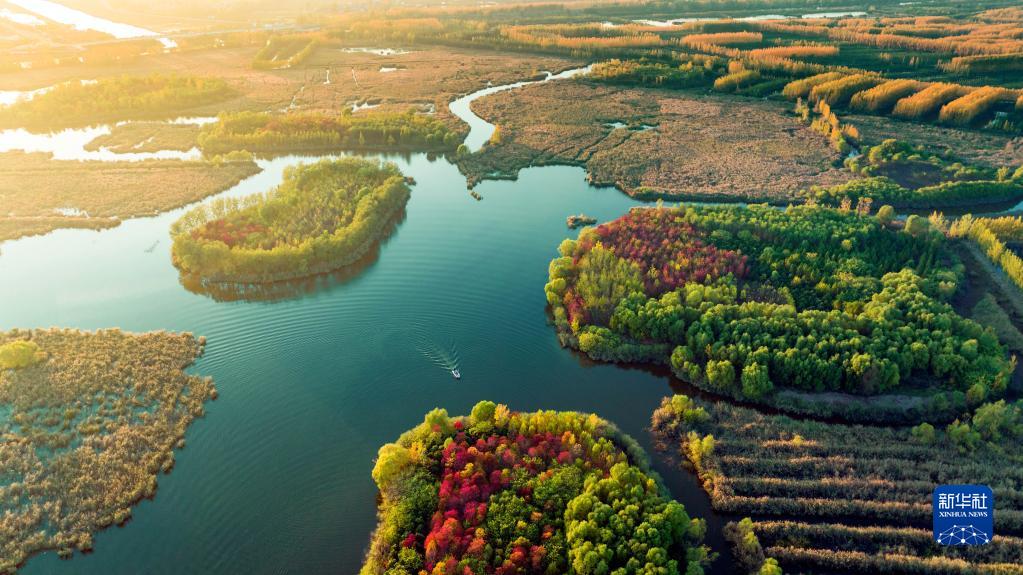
{"x": 444, "y": 357}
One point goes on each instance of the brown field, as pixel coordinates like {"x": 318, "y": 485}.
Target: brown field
{"x": 34, "y": 187}
{"x": 701, "y": 147}
{"x": 424, "y": 77}
{"x": 147, "y": 137}
{"x": 989, "y": 149}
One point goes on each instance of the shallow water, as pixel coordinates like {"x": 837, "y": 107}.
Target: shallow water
{"x": 20, "y": 18}
{"x": 70, "y": 144}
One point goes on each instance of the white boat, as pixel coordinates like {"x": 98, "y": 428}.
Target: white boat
{"x": 456, "y": 374}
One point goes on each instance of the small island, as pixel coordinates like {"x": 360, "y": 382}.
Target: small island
{"x": 507, "y": 492}
{"x": 321, "y": 218}
{"x": 91, "y": 419}
{"x": 814, "y": 310}
{"x": 579, "y": 220}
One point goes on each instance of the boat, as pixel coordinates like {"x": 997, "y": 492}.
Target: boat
{"x": 456, "y": 374}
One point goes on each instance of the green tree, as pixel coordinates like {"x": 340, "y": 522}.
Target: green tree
{"x": 720, "y": 375}
{"x": 917, "y": 225}
{"x": 923, "y": 434}
{"x": 963, "y": 437}
{"x": 995, "y": 421}
{"x": 392, "y": 459}
{"x": 755, "y": 381}
{"x": 885, "y": 214}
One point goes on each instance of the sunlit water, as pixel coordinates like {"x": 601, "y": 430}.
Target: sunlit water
{"x": 71, "y": 144}
{"x": 20, "y": 18}
{"x": 276, "y": 478}
{"x": 481, "y": 131}
{"x": 756, "y": 18}
{"x": 82, "y": 21}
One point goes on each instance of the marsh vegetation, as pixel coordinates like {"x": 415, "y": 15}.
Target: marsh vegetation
{"x": 91, "y": 420}
{"x": 40, "y": 194}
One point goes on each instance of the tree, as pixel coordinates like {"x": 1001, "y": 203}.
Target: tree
{"x": 962, "y": 436}
{"x": 917, "y": 225}
{"x": 481, "y": 419}
{"x": 995, "y": 421}
{"x": 885, "y": 214}
{"x": 923, "y": 434}
{"x": 391, "y": 460}
{"x": 720, "y": 375}
{"x": 755, "y": 381}
{"x": 748, "y": 551}
{"x": 496, "y": 137}
{"x": 770, "y": 567}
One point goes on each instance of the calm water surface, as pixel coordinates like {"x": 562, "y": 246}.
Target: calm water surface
{"x": 276, "y": 478}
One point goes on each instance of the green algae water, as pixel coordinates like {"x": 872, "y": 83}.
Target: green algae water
{"x": 276, "y": 477}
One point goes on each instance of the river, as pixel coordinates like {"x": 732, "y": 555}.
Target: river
{"x": 82, "y": 21}
{"x": 276, "y": 477}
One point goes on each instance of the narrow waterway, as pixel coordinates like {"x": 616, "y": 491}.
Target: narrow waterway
{"x": 480, "y": 130}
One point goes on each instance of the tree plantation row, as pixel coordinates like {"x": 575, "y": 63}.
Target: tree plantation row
{"x": 864, "y": 491}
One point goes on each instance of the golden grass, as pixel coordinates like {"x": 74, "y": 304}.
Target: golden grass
{"x": 801, "y": 88}
{"x": 700, "y": 147}
{"x": 33, "y": 187}
{"x": 720, "y": 38}
{"x": 839, "y": 92}
{"x": 797, "y": 51}
{"x": 963, "y": 111}
{"x": 147, "y": 137}
{"x": 89, "y": 428}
